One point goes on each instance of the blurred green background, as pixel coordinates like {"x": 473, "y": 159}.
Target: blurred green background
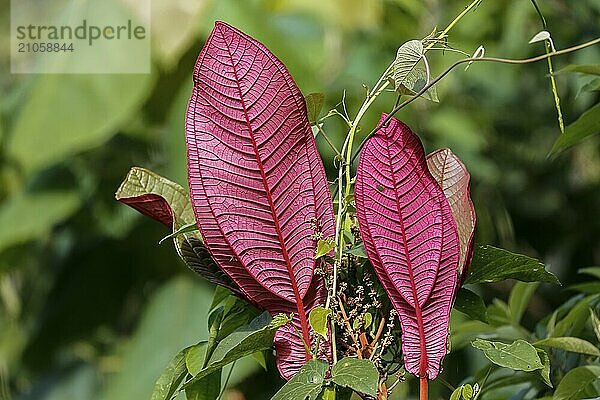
{"x": 91, "y": 307}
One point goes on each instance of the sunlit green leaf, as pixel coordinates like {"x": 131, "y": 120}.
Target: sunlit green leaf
{"x": 519, "y": 355}
{"x": 324, "y": 247}
{"x": 407, "y": 58}
{"x": 545, "y": 371}
{"x": 306, "y": 384}
{"x": 171, "y": 378}
{"x": 574, "y": 383}
{"x": 359, "y": 375}
{"x": 572, "y": 344}
{"x": 415, "y": 81}
{"x": 540, "y": 37}
{"x": 318, "y": 320}
{"x": 194, "y": 358}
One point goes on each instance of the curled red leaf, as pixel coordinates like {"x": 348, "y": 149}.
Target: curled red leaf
{"x": 452, "y": 176}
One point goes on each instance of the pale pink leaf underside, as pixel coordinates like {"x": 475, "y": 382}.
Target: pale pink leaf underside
{"x": 257, "y": 183}
{"x": 453, "y": 177}
{"x": 411, "y": 240}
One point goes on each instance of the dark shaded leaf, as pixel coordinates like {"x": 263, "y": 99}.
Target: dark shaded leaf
{"x": 586, "y": 126}
{"x": 471, "y": 304}
{"x": 492, "y": 264}
{"x": 168, "y": 203}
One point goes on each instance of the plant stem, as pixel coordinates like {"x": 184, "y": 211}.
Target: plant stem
{"x": 346, "y": 164}
{"x": 468, "y": 60}
{"x": 423, "y": 388}
{"x": 550, "y": 47}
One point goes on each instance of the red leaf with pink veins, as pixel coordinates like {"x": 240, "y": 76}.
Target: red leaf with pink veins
{"x": 453, "y": 177}
{"x": 257, "y": 183}
{"x": 411, "y": 240}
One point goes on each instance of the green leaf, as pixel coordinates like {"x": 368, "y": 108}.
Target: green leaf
{"x": 256, "y": 336}
{"x": 574, "y": 383}
{"x": 415, "y": 81}
{"x": 368, "y": 318}
{"x": 586, "y": 287}
{"x": 184, "y": 229}
{"x": 457, "y": 394}
{"x": 491, "y": 264}
{"x": 358, "y": 251}
{"x": 593, "y": 271}
{"x": 26, "y": 215}
{"x": 574, "y": 322}
{"x": 573, "y": 344}
{"x": 540, "y": 37}
{"x": 591, "y": 86}
{"x": 545, "y": 371}
{"x": 519, "y": 355}
{"x": 314, "y": 105}
{"x": 407, "y": 58}
{"x": 260, "y": 359}
{"x": 142, "y": 182}
{"x": 171, "y": 378}
{"x": 324, "y": 247}
{"x": 589, "y": 69}
{"x": 359, "y": 375}
{"x": 306, "y": 384}
{"x": 471, "y": 304}
{"x": 194, "y": 359}
{"x": 467, "y": 392}
{"x": 586, "y": 126}
{"x": 519, "y": 298}
{"x": 595, "y": 323}
{"x": 318, "y": 320}
{"x": 207, "y": 388}
{"x": 85, "y": 111}
{"x": 219, "y": 296}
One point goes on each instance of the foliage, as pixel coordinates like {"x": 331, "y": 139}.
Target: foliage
{"x": 90, "y": 304}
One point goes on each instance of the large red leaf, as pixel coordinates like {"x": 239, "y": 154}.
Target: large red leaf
{"x": 411, "y": 240}
{"x": 257, "y": 183}
{"x": 453, "y": 177}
